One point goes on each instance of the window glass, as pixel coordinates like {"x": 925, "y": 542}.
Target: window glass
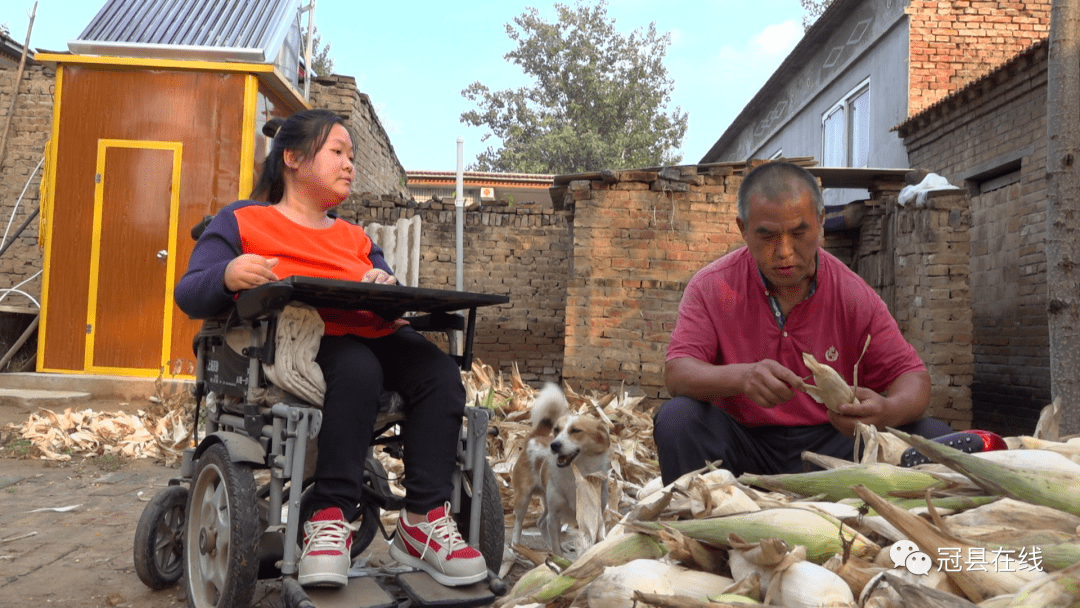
{"x": 860, "y": 128}
{"x": 832, "y": 139}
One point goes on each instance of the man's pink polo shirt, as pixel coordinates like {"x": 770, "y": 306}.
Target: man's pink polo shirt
{"x": 725, "y": 318}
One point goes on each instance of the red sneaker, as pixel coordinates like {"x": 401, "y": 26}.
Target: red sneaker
{"x": 436, "y": 547}
{"x": 327, "y": 541}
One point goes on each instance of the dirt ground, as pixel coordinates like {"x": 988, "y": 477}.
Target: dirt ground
{"x": 67, "y": 530}
{"x": 67, "y": 534}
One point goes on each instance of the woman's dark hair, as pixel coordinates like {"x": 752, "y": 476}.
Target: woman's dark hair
{"x": 305, "y": 132}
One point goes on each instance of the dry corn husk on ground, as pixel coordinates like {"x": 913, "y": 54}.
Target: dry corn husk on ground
{"x": 701, "y": 520}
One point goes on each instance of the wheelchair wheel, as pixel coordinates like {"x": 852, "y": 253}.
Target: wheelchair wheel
{"x": 492, "y": 522}
{"x": 222, "y": 533}
{"x": 159, "y": 546}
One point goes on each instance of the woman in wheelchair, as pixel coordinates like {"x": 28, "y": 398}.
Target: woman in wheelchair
{"x": 286, "y": 230}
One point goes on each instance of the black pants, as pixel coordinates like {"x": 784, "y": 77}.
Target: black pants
{"x": 356, "y": 370}
{"x": 690, "y": 433}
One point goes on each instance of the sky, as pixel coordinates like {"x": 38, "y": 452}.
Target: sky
{"x": 413, "y": 59}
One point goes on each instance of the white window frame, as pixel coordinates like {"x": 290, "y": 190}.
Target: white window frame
{"x": 848, "y": 136}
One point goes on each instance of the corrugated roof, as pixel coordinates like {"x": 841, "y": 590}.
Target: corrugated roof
{"x": 215, "y": 30}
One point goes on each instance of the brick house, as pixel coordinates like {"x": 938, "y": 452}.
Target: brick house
{"x": 481, "y": 187}
{"x": 990, "y": 136}
{"x": 867, "y": 65}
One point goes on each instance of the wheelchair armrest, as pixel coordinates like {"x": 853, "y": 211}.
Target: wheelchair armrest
{"x": 437, "y": 321}
{"x": 260, "y": 301}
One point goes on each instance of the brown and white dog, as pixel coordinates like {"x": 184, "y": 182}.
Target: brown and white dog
{"x": 559, "y": 440}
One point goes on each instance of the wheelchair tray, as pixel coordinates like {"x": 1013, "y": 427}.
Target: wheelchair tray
{"x": 387, "y": 300}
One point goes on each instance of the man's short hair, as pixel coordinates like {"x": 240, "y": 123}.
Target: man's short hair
{"x": 772, "y": 180}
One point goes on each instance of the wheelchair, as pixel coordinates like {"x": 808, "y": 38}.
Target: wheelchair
{"x": 221, "y": 531}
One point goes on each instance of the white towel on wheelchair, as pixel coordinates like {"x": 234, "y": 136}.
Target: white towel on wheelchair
{"x": 299, "y": 333}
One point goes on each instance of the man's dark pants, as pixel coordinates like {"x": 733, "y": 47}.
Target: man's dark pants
{"x": 690, "y": 433}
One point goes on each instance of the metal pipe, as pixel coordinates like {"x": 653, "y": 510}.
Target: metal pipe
{"x": 8, "y": 244}
{"x": 307, "y": 49}
{"x": 459, "y": 210}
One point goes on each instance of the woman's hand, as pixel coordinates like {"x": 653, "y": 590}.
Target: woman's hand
{"x": 380, "y": 276}
{"x": 249, "y": 270}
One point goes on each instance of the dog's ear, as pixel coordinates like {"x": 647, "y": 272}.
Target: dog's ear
{"x": 602, "y": 436}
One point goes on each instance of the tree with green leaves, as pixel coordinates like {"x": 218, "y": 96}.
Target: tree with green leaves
{"x": 814, "y": 9}
{"x": 321, "y": 62}
{"x": 599, "y": 98}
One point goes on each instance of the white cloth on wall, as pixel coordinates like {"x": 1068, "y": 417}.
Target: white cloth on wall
{"x": 931, "y": 183}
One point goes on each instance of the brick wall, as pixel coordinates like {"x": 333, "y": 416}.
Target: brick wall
{"x": 917, "y": 259}
{"x": 522, "y": 251}
{"x": 378, "y": 170}
{"x": 991, "y": 138}
{"x": 954, "y": 42}
{"x": 30, "y": 128}
{"x": 639, "y": 236}
{"x": 932, "y": 301}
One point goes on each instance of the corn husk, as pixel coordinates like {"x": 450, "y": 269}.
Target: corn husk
{"x": 819, "y": 533}
{"x": 1060, "y": 589}
{"x": 616, "y": 586}
{"x": 855, "y": 571}
{"x": 977, "y": 585}
{"x": 617, "y": 548}
{"x": 1055, "y": 489}
{"x": 829, "y": 386}
{"x": 803, "y": 584}
{"x": 1008, "y": 516}
{"x": 877, "y": 446}
{"x": 1069, "y": 449}
{"x": 901, "y": 589}
{"x": 675, "y": 601}
{"x": 747, "y": 560}
{"x": 1049, "y": 425}
{"x": 836, "y": 484}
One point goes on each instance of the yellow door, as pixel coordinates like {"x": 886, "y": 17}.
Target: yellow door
{"x": 132, "y": 265}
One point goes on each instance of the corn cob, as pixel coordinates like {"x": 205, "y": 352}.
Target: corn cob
{"x": 1050, "y": 488}
{"x": 1060, "y": 589}
{"x": 819, "y": 533}
{"x": 616, "y": 549}
{"x": 835, "y": 484}
{"x": 977, "y": 585}
{"x": 831, "y": 388}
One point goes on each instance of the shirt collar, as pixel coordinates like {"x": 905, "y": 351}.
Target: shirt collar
{"x": 774, "y": 303}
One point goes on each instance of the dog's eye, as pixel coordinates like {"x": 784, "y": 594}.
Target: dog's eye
{"x": 575, "y": 431}
{"x": 558, "y": 430}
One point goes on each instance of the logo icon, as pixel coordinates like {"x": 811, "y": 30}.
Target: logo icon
{"x": 906, "y": 554}
{"x": 832, "y": 354}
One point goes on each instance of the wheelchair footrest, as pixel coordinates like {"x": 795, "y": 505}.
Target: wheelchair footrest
{"x": 361, "y": 592}
{"x": 425, "y": 591}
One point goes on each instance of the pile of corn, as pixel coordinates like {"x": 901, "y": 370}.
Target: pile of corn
{"x": 999, "y": 529}
{"x": 995, "y": 530}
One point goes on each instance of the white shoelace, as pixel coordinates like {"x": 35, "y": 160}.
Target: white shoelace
{"x": 445, "y": 530}
{"x": 329, "y": 535}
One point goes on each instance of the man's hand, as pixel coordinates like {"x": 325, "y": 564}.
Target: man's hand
{"x": 907, "y": 399}
{"x": 871, "y": 410}
{"x": 768, "y": 383}
{"x": 249, "y": 270}
{"x": 379, "y": 276}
